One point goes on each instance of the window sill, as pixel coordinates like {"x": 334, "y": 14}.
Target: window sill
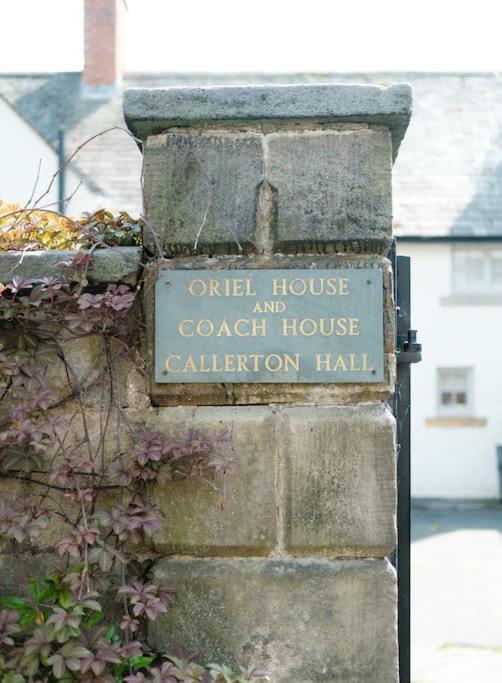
{"x": 456, "y": 421}
{"x": 471, "y": 300}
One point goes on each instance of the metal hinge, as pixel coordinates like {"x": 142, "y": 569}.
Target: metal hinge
{"x": 409, "y": 350}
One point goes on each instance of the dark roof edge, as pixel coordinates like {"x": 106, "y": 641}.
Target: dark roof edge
{"x": 448, "y": 238}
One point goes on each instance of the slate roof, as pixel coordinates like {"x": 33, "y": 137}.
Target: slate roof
{"x": 448, "y": 175}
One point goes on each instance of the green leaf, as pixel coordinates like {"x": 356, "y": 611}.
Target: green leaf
{"x": 65, "y": 599}
{"x": 139, "y": 661}
{"x": 11, "y": 677}
{"x": 110, "y": 632}
{"x": 12, "y": 602}
{"x": 94, "y": 619}
{"x": 35, "y": 589}
{"x": 27, "y": 618}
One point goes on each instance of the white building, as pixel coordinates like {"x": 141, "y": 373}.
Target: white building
{"x": 448, "y": 214}
{"x": 448, "y": 218}
{"x": 457, "y": 389}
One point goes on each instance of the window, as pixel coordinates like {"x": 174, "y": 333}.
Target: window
{"x": 455, "y": 392}
{"x": 477, "y": 270}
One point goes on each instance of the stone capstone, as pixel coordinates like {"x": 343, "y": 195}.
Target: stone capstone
{"x": 150, "y": 111}
{"x": 268, "y": 169}
{"x": 120, "y": 264}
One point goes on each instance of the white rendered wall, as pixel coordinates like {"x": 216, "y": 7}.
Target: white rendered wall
{"x": 21, "y": 148}
{"x": 453, "y": 461}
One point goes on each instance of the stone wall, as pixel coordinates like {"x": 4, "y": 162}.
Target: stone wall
{"x": 86, "y": 373}
{"x": 294, "y": 574}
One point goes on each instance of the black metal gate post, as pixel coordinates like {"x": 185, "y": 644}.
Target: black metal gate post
{"x": 407, "y": 351}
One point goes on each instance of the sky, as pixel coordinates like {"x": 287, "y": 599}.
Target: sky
{"x": 264, "y": 35}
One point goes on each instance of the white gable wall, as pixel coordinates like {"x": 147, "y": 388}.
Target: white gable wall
{"x": 21, "y": 148}
{"x": 453, "y": 461}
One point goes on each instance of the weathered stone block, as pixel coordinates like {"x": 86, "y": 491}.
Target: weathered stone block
{"x": 331, "y": 186}
{"x": 338, "y": 479}
{"x": 200, "y": 190}
{"x": 305, "y": 621}
{"x": 15, "y": 570}
{"x": 193, "y": 519}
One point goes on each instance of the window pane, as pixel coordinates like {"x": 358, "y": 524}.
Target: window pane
{"x": 455, "y": 391}
{"x": 470, "y": 271}
{"x": 454, "y": 380}
{"x": 496, "y": 269}
{"x": 474, "y": 266}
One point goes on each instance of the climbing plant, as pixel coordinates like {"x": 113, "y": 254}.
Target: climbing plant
{"x": 82, "y": 464}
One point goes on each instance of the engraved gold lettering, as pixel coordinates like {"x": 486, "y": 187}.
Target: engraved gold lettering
{"x": 340, "y": 364}
{"x": 229, "y": 287}
{"x": 197, "y": 287}
{"x": 224, "y": 330}
{"x": 214, "y": 288}
{"x": 308, "y": 327}
{"x": 203, "y": 366}
{"x": 295, "y": 290}
{"x": 273, "y": 362}
{"x": 256, "y": 357}
{"x": 313, "y": 289}
{"x": 237, "y": 327}
{"x": 259, "y": 327}
{"x": 190, "y": 365}
{"x": 181, "y": 328}
{"x": 331, "y": 286}
{"x": 322, "y": 359}
{"x": 314, "y": 286}
{"x": 341, "y": 327}
{"x": 169, "y": 367}
{"x": 323, "y": 327}
{"x": 289, "y": 327}
{"x": 279, "y": 287}
{"x": 229, "y": 362}
{"x": 205, "y": 328}
{"x": 353, "y": 327}
{"x": 366, "y": 367}
{"x": 242, "y": 363}
{"x": 294, "y": 362}
{"x": 215, "y": 367}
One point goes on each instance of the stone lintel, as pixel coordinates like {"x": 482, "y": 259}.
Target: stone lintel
{"x": 149, "y": 111}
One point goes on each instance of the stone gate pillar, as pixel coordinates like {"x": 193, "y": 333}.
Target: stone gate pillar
{"x": 273, "y": 204}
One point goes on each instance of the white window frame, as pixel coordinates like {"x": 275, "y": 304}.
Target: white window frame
{"x": 455, "y": 409}
{"x": 461, "y": 284}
